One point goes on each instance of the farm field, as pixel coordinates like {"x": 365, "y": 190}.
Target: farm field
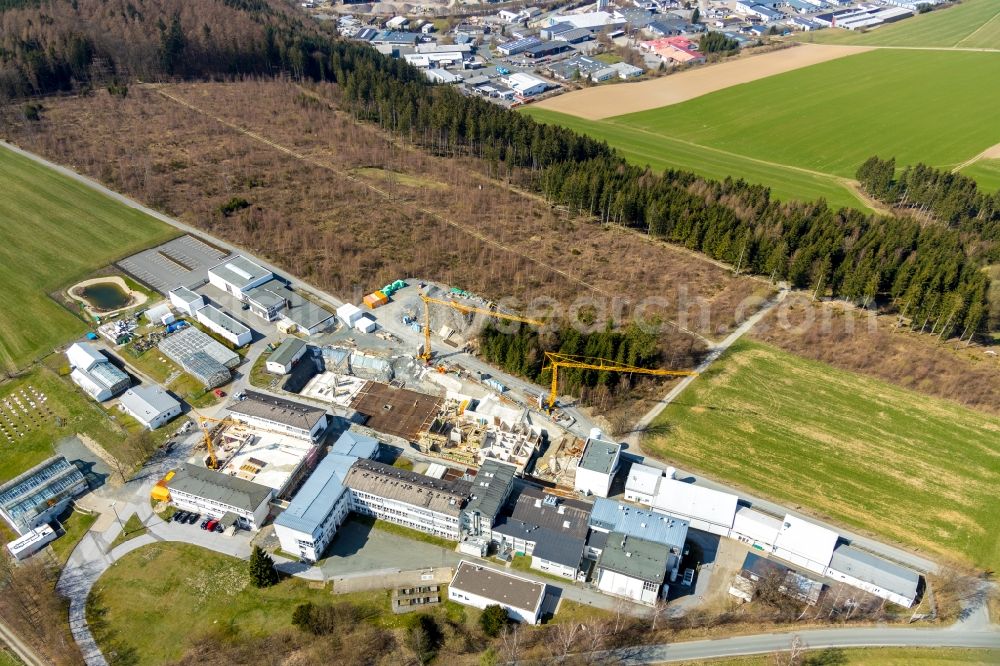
{"x": 911, "y": 469}
{"x": 831, "y": 117}
{"x": 665, "y": 152}
{"x": 54, "y": 231}
{"x": 876, "y": 657}
{"x": 986, "y": 173}
{"x": 804, "y": 130}
{"x": 971, "y": 24}
{"x": 65, "y": 411}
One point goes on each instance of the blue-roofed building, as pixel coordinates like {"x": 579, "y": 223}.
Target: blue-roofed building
{"x": 323, "y": 502}
{"x": 611, "y": 516}
{"x": 518, "y": 45}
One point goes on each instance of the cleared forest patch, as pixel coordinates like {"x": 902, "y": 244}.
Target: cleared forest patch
{"x": 295, "y": 160}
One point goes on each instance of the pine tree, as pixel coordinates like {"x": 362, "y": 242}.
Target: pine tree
{"x": 262, "y": 571}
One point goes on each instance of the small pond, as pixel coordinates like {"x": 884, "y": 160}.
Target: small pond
{"x": 105, "y": 296}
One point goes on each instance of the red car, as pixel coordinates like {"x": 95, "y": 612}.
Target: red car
{"x": 211, "y": 525}
{"x": 219, "y": 393}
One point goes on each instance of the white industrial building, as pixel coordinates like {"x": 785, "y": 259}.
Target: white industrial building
{"x": 597, "y": 467}
{"x": 94, "y": 373}
{"x": 323, "y": 503}
{"x": 526, "y": 85}
{"x": 478, "y": 586}
{"x": 805, "y": 544}
{"x": 365, "y": 324}
{"x": 283, "y": 359}
{"x": 757, "y": 530}
{"x": 407, "y": 498}
{"x": 349, "y": 313}
{"x": 238, "y": 275}
{"x": 641, "y": 483}
{"x": 705, "y": 509}
{"x": 31, "y": 542}
{"x": 223, "y": 325}
{"x": 150, "y": 405}
{"x": 186, "y": 301}
{"x": 549, "y": 529}
{"x": 873, "y": 574}
{"x": 215, "y": 495}
{"x": 297, "y": 419}
{"x": 276, "y": 301}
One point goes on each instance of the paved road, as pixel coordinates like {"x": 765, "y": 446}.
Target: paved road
{"x": 21, "y": 650}
{"x": 815, "y": 639}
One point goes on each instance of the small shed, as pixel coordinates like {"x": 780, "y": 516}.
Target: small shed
{"x": 365, "y": 324}
{"x": 349, "y": 313}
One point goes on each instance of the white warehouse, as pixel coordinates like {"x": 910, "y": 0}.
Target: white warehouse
{"x": 149, "y": 405}
{"x": 478, "y": 586}
{"x": 805, "y": 544}
{"x": 222, "y": 324}
{"x": 705, "y": 509}
{"x": 597, "y": 467}
{"x": 238, "y": 275}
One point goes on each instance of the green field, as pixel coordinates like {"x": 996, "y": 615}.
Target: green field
{"x": 805, "y": 131}
{"x": 663, "y": 152}
{"x": 66, "y": 411}
{"x": 54, "y": 231}
{"x": 986, "y": 173}
{"x": 858, "y": 451}
{"x": 971, "y": 24}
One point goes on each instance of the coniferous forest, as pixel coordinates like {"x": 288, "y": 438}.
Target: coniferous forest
{"x": 930, "y": 273}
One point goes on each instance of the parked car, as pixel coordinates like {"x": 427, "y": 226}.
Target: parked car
{"x": 179, "y": 516}
{"x": 211, "y": 525}
{"x": 218, "y": 528}
{"x": 219, "y": 393}
{"x": 193, "y": 518}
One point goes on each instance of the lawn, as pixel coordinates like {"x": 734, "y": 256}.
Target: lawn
{"x": 664, "y": 152}
{"x": 161, "y": 594}
{"x": 132, "y": 529}
{"x": 986, "y": 174}
{"x": 76, "y": 525}
{"x": 971, "y": 24}
{"x": 54, "y": 231}
{"x": 399, "y": 530}
{"x": 804, "y": 131}
{"x": 65, "y": 411}
{"x": 8, "y": 659}
{"x": 159, "y": 368}
{"x": 854, "y": 450}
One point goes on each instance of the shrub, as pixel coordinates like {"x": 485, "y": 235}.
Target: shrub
{"x": 493, "y": 620}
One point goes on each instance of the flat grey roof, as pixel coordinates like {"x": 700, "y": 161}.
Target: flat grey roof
{"x": 491, "y": 488}
{"x": 286, "y": 351}
{"x": 220, "y": 318}
{"x": 599, "y": 456}
{"x": 186, "y": 294}
{"x": 497, "y": 586}
{"x": 150, "y": 401}
{"x": 635, "y": 558}
{"x": 240, "y": 271}
{"x": 287, "y": 412}
{"x": 535, "y": 507}
{"x": 869, "y": 568}
{"x": 369, "y": 476}
{"x": 218, "y": 487}
{"x": 554, "y": 546}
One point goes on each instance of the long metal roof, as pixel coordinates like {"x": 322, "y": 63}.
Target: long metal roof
{"x": 611, "y": 516}
{"x": 635, "y": 557}
{"x": 491, "y": 488}
{"x": 218, "y": 487}
{"x": 871, "y": 569}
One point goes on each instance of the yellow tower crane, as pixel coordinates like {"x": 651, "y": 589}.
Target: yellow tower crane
{"x": 556, "y": 361}
{"x": 467, "y": 309}
{"x": 212, "y": 461}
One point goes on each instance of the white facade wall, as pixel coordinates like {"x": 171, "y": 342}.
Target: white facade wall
{"x": 588, "y": 481}
{"x": 187, "y": 308}
{"x": 612, "y": 582}
{"x": 311, "y": 546}
{"x": 96, "y": 391}
{"x": 553, "y": 568}
{"x": 251, "y": 519}
{"x": 895, "y": 598}
{"x": 407, "y": 515}
{"x": 800, "y": 560}
{"x": 300, "y": 433}
{"x": 157, "y": 420}
{"x": 281, "y": 369}
{"x": 229, "y": 288}
{"x": 32, "y": 542}
{"x": 239, "y": 340}
{"x": 525, "y": 615}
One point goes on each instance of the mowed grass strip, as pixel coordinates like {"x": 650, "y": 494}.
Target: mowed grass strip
{"x": 895, "y": 656}
{"x": 664, "y": 152}
{"x": 54, "y": 231}
{"x": 986, "y": 173}
{"x": 855, "y": 450}
{"x": 918, "y": 106}
{"x": 971, "y": 24}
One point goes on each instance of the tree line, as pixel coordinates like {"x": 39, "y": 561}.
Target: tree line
{"x": 949, "y": 197}
{"x": 926, "y": 273}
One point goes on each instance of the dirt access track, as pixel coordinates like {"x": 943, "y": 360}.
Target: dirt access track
{"x": 615, "y": 100}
